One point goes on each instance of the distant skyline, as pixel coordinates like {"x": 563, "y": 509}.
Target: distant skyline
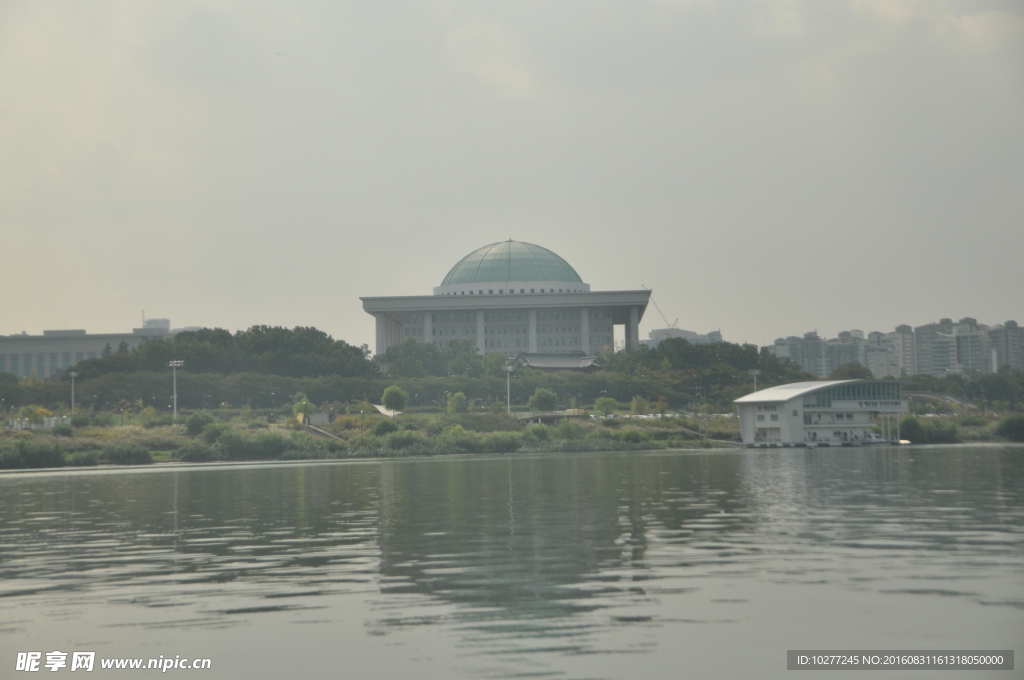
{"x": 766, "y": 167}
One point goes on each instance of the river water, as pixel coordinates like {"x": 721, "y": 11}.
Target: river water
{"x": 609, "y": 565}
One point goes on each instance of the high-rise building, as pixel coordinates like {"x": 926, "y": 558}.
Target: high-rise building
{"x": 902, "y": 342}
{"x": 1006, "y": 345}
{"x": 931, "y": 356}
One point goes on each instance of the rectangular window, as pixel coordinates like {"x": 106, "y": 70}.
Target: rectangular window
{"x": 40, "y": 365}
{"x": 16, "y": 365}
{"x": 3, "y": 363}
{"x": 66, "y": 360}
{"x": 760, "y": 419}
{"x": 775, "y": 416}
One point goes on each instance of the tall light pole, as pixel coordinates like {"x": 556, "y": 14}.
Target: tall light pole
{"x": 754, "y": 372}
{"x": 175, "y": 365}
{"x": 508, "y": 388}
{"x": 73, "y": 374}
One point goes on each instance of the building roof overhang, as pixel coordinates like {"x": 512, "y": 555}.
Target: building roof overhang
{"x": 434, "y": 303}
{"x": 781, "y": 393}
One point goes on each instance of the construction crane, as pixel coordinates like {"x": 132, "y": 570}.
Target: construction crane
{"x": 673, "y": 324}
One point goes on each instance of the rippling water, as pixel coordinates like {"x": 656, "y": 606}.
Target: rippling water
{"x": 612, "y": 565}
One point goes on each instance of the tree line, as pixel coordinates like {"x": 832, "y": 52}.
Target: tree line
{"x": 263, "y": 367}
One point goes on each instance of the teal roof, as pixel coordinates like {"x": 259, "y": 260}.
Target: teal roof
{"x": 511, "y": 261}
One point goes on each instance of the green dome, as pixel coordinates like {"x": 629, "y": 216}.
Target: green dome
{"x": 511, "y": 261}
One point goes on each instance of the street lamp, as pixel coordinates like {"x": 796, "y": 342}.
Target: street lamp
{"x": 754, "y": 372}
{"x": 508, "y": 388}
{"x": 175, "y": 365}
{"x": 73, "y": 374}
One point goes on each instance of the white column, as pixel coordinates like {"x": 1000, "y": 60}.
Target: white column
{"x": 428, "y": 327}
{"x": 533, "y": 331}
{"x": 480, "y": 332}
{"x": 382, "y": 329}
{"x": 585, "y": 330}
{"x": 633, "y": 329}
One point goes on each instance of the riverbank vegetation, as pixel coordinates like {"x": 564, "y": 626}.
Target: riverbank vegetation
{"x": 249, "y": 383}
{"x": 247, "y": 435}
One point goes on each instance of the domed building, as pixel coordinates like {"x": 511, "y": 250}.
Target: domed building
{"x": 516, "y": 298}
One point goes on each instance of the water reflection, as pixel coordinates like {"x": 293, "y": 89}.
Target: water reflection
{"x": 522, "y": 565}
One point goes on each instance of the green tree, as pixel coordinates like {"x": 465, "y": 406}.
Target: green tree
{"x": 640, "y": 406}
{"x": 459, "y": 402}
{"x": 605, "y": 405}
{"x": 852, "y": 371}
{"x": 543, "y": 400}
{"x": 395, "y": 398}
{"x": 33, "y": 414}
{"x": 303, "y": 407}
{"x": 1012, "y": 428}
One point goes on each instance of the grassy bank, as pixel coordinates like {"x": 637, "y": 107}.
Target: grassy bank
{"x": 238, "y": 436}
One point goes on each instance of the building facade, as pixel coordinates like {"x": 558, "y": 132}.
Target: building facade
{"x": 54, "y": 351}
{"x": 944, "y": 348}
{"x": 820, "y": 413}
{"x": 655, "y": 336}
{"x": 1006, "y": 345}
{"x": 511, "y": 297}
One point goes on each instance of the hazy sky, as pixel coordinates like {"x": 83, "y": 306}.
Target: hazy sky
{"x": 767, "y": 167}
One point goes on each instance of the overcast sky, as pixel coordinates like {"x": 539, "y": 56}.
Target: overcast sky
{"x": 767, "y": 167}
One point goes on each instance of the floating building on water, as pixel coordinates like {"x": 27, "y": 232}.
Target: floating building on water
{"x": 512, "y": 297}
{"x": 819, "y": 413}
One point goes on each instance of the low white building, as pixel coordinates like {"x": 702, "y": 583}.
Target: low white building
{"x": 819, "y": 413}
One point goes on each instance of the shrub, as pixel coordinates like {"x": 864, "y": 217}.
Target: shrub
{"x": 83, "y": 459}
{"x": 64, "y": 431}
{"x": 258, "y": 425}
{"x": 80, "y": 421}
{"x": 1012, "y": 428}
{"x": 540, "y": 432}
{"x": 935, "y": 432}
{"x": 195, "y": 452}
{"x": 102, "y": 420}
{"x": 124, "y": 453}
{"x": 457, "y": 437}
{"x": 972, "y": 421}
{"x": 196, "y": 423}
{"x": 384, "y": 427}
{"x": 213, "y": 431}
{"x": 237, "y": 445}
{"x": 632, "y": 436}
{"x": 568, "y": 430}
{"x": 502, "y": 442}
{"x": 27, "y": 453}
{"x": 159, "y": 421}
{"x": 402, "y": 440}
